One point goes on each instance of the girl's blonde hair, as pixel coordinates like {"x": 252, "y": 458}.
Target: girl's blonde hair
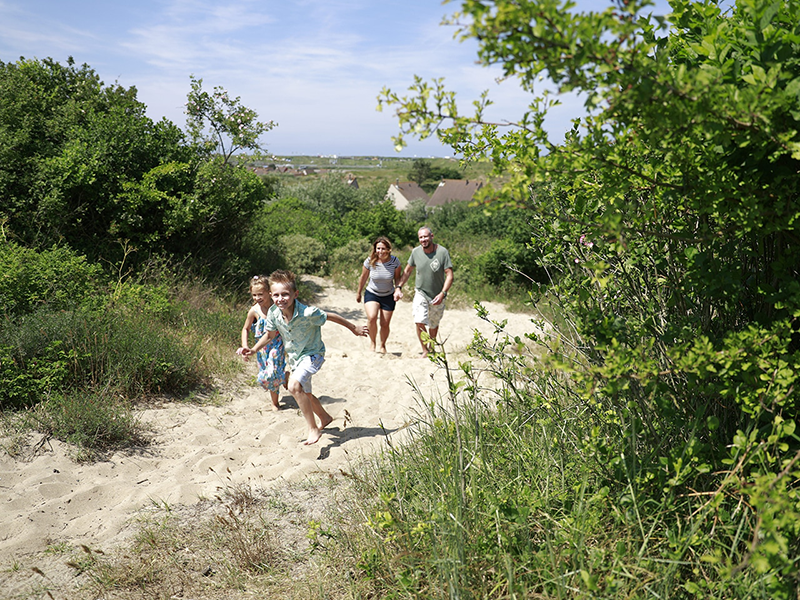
{"x": 373, "y": 256}
{"x": 257, "y": 281}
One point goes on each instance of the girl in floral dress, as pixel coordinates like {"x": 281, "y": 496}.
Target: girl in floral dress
{"x": 271, "y": 359}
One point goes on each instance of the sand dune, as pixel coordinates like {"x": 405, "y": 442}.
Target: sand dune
{"x": 48, "y": 498}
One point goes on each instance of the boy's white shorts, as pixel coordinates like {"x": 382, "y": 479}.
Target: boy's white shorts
{"x": 424, "y": 312}
{"x": 308, "y": 366}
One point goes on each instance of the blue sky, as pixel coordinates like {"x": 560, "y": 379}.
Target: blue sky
{"x": 314, "y": 67}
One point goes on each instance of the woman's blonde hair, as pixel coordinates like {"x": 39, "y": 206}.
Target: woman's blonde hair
{"x": 373, "y": 256}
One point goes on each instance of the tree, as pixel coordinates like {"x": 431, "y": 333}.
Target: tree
{"x": 69, "y": 148}
{"x": 427, "y": 175}
{"x": 420, "y": 170}
{"x": 82, "y": 165}
{"x": 219, "y": 123}
{"x": 668, "y": 218}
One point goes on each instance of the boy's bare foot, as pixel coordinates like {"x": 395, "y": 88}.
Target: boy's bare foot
{"x": 276, "y": 407}
{"x": 424, "y": 355}
{"x": 325, "y": 422}
{"x": 313, "y": 437}
{"x": 382, "y": 350}
{"x": 372, "y": 346}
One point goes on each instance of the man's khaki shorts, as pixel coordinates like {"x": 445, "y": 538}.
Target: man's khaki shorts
{"x": 424, "y": 312}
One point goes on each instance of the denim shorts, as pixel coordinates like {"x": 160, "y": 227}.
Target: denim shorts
{"x": 386, "y": 302}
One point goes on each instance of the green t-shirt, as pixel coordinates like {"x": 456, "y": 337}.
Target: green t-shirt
{"x": 430, "y": 269}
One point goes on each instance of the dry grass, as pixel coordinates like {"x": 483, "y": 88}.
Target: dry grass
{"x": 246, "y": 542}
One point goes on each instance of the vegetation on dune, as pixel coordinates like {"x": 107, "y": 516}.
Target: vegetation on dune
{"x": 667, "y": 221}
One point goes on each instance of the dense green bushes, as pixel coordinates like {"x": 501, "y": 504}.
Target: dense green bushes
{"x": 56, "y": 277}
{"x": 502, "y": 492}
{"x": 330, "y": 211}
{"x": 110, "y": 347}
{"x": 667, "y": 219}
{"x": 82, "y": 165}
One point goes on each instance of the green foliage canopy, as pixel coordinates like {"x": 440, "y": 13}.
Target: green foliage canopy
{"x": 81, "y": 165}
{"x": 672, "y": 204}
{"x": 68, "y": 146}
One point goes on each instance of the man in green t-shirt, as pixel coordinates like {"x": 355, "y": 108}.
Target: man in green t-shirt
{"x": 433, "y": 279}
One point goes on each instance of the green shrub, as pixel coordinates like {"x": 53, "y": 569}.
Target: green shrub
{"x": 352, "y": 253}
{"x": 57, "y": 277}
{"x": 153, "y": 300}
{"x": 128, "y": 352}
{"x": 330, "y": 196}
{"x": 346, "y": 262}
{"x": 509, "y": 261}
{"x": 416, "y": 212}
{"x": 378, "y": 219}
{"x": 25, "y": 379}
{"x": 285, "y": 216}
{"x": 303, "y": 255}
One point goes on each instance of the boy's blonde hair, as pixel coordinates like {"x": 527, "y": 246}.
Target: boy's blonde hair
{"x": 283, "y": 277}
{"x": 259, "y": 281}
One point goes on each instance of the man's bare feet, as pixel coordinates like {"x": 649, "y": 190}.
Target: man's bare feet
{"x": 313, "y": 437}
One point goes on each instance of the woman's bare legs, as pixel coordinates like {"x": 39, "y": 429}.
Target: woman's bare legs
{"x": 386, "y": 319}
{"x": 372, "y": 309}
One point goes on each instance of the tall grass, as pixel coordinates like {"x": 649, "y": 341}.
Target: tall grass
{"x": 499, "y": 493}
{"x": 92, "y": 422}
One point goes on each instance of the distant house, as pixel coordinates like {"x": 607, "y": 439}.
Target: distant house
{"x": 454, "y": 190}
{"x": 402, "y": 194}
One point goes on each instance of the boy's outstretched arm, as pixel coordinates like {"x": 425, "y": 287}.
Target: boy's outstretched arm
{"x": 360, "y": 330}
{"x": 265, "y": 339}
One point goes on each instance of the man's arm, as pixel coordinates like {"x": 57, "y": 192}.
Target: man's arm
{"x": 398, "y": 291}
{"x": 448, "y": 282}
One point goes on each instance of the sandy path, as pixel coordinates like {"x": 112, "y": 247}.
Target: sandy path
{"x": 196, "y": 449}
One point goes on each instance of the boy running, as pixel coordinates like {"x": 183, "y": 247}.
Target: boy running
{"x": 300, "y": 327}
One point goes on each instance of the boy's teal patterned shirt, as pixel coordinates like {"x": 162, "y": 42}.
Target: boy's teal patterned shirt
{"x": 302, "y": 336}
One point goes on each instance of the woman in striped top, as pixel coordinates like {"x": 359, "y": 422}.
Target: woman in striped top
{"x": 383, "y": 272}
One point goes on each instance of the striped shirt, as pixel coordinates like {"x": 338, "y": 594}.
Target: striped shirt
{"x": 381, "y": 276}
